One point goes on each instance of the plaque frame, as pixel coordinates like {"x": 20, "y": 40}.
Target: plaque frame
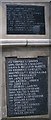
{"x": 32, "y": 116}
{"x": 23, "y": 52}
{"x": 26, "y": 37}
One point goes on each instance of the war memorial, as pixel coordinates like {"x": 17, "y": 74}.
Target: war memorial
{"x": 25, "y": 55}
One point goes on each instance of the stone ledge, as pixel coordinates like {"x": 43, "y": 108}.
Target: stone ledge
{"x": 25, "y": 118}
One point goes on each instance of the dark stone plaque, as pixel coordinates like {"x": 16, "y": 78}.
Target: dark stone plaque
{"x": 27, "y": 86}
{"x": 25, "y": 19}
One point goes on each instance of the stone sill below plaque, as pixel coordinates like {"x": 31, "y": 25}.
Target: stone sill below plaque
{"x": 45, "y": 117}
{"x": 25, "y": 42}
{"x": 26, "y": 0}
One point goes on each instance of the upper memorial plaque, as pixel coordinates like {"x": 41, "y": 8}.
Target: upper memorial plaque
{"x": 25, "y": 19}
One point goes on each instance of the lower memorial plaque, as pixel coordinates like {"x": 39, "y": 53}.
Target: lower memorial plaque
{"x": 27, "y": 86}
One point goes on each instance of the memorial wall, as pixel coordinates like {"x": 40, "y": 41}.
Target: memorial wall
{"x": 26, "y": 59}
